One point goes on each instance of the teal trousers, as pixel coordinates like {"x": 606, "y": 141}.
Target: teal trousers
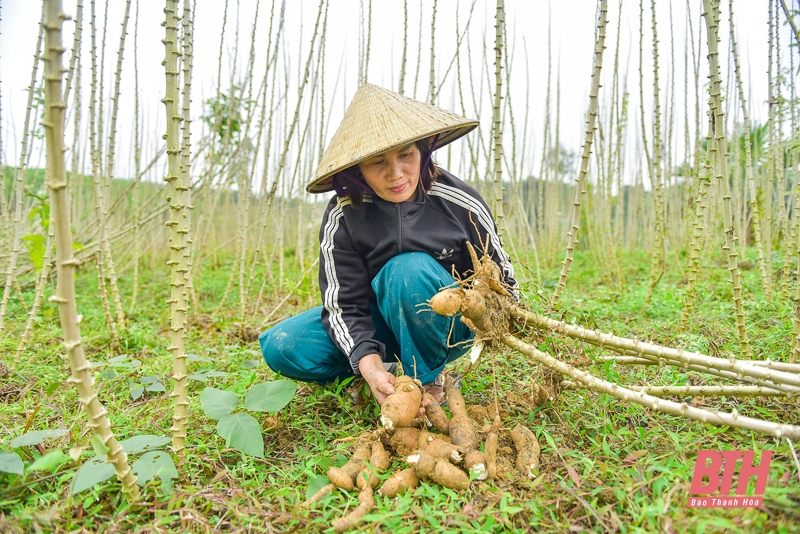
{"x": 300, "y": 348}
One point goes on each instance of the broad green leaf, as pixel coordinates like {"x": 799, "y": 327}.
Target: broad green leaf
{"x": 137, "y": 392}
{"x": 200, "y": 377}
{"x": 315, "y": 482}
{"x": 149, "y": 380}
{"x": 108, "y": 374}
{"x": 155, "y": 464}
{"x": 270, "y": 396}
{"x": 92, "y": 472}
{"x": 49, "y": 461}
{"x": 217, "y": 403}
{"x": 36, "y": 437}
{"x": 99, "y": 446}
{"x": 196, "y": 358}
{"x": 158, "y": 386}
{"x": 10, "y": 462}
{"x": 142, "y": 443}
{"x": 249, "y": 364}
{"x": 35, "y": 244}
{"x": 242, "y": 432}
{"x": 118, "y": 359}
{"x": 213, "y": 373}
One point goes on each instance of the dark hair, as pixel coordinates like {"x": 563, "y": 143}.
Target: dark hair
{"x": 427, "y": 176}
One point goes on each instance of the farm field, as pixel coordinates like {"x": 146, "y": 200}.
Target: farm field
{"x": 606, "y": 465}
{"x": 608, "y": 194}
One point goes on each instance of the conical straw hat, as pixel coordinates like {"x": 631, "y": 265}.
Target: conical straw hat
{"x": 378, "y": 120}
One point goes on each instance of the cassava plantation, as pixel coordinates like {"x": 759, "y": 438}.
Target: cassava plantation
{"x": 639, "y": 162}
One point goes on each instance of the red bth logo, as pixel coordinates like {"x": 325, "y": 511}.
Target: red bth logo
{"x": 720, "y": 487}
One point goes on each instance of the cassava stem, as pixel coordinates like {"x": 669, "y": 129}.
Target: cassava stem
{"x": 65, "y": 263}
{"x": 591, "y": 122}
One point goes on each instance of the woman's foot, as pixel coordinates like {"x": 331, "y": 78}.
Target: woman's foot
{"x": 436, "y": 389}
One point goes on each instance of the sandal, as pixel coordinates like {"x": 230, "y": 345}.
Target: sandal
{"x": 436, "y": 388}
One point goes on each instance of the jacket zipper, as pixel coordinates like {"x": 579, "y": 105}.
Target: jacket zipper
{"x": 399, "y": 229}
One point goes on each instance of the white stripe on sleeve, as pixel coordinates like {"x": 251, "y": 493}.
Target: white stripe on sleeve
{"x": 331, "y": 297}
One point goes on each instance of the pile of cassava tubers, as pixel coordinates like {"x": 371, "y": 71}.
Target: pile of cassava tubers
{"x": 450, "y": 457}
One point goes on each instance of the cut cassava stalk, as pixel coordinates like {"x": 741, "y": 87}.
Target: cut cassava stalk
{"x": 186, "y": 142}
{"x": 634, "y": 360}
{"x": 580, "y": 188}
{"x": 401, "y": 89}
{"x": 695, "y": 391}
{"x": 497, "y": 130}
{"x": 178, "y": 300}
{"x": 137, "y": 162}
{"x": 698, "y": 234}
{"x": 766, "y": 279}
{"x": 109, "y": 176}
{"x": 16, "y": 237}
{"x": 95, "y": 150}
{"x": 645, "y": 350}
{"x": 708, "y": 391}
{"x": 65, "y": 263}
{"x": 777, "y": 430}
{"x": 658, "y": 266}
{"x": 721, "y": 155}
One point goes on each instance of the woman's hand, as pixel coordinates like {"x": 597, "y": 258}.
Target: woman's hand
{"x": 380, "y": 382}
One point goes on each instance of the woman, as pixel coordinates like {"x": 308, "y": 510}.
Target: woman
{"x": 389, "y": 240}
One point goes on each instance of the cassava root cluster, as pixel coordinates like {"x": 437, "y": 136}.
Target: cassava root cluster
{"x": 435, "y": 448}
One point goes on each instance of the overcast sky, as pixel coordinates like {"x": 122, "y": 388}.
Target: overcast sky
{"x": 573, "y": 29}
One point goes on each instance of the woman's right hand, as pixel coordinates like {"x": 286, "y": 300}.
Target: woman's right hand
{"x": 380, "y": 381}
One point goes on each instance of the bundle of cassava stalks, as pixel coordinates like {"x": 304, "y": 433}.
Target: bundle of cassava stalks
{"x": 436, "y": 448}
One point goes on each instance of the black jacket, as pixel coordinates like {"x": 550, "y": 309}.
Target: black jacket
{"x": 355, "y": 244}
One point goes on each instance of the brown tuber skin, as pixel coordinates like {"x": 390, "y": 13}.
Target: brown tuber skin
{"x": 344, "y": 477}
{"x": 441, "y": 449}
{"x": 473, "y": 306}
{"x": 404, "y": 441}
{"x": 435, "y": 414}
{"x": 324, "y": 490}
{"x": 527, "y": 450}
{"x": 379, "y": 461}
{"x": 422, "y": 463}
{"x": 461, "y": 431}
{"x": 365, "y": 503}
{"x": 490, "y": 448}
{"x": 439, "y": 470}
{"x": 399, "y": 483}
{"x": 450, "y": 476}
{"x": 447, "y": 302}
{"x": 401, "y": 407}
{"x": 475, "y": 463}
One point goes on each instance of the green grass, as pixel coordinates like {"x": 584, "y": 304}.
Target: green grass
{"x": 588, "y": 480}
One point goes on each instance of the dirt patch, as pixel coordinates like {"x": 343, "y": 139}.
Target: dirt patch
{"x": 243, "y": 332}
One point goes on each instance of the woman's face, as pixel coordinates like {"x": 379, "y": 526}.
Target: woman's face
{"x": 393, "y": 175}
